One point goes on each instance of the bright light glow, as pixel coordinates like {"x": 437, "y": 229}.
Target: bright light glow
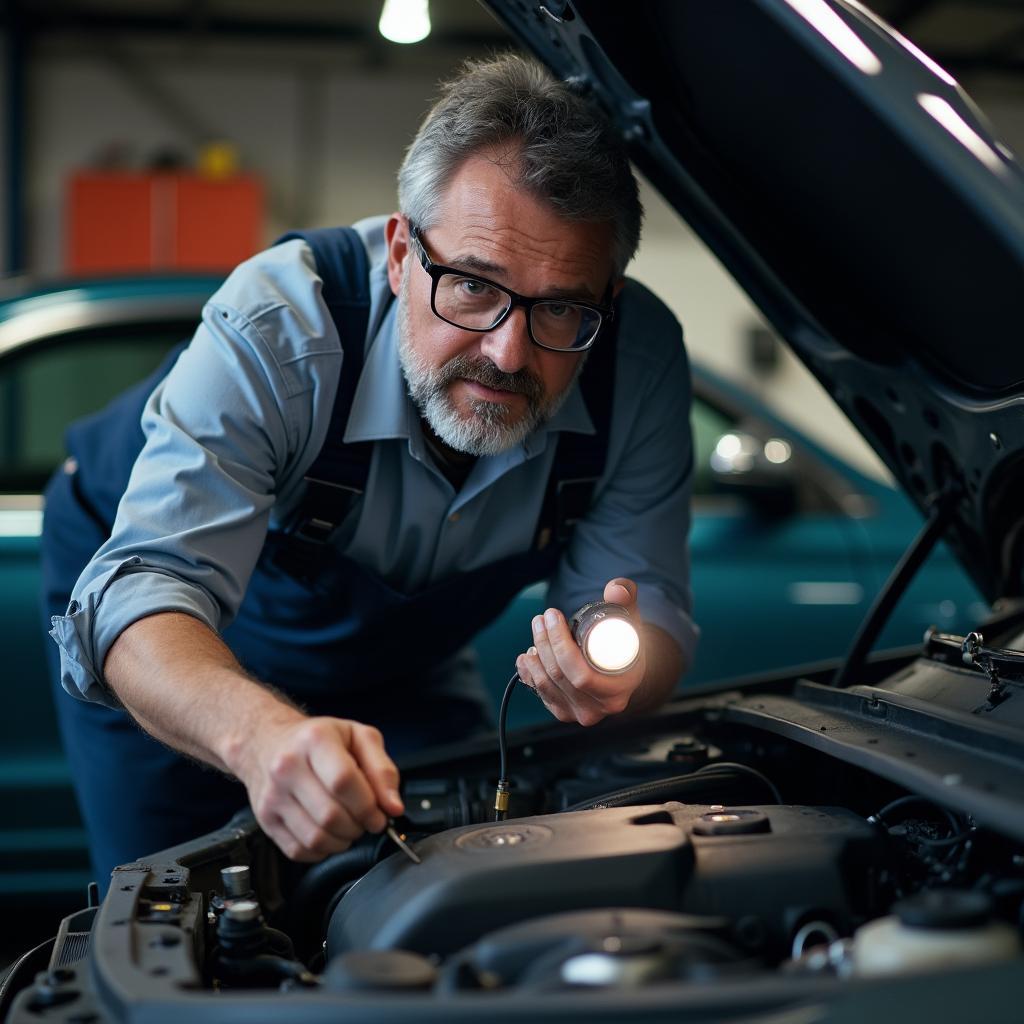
{"x": 905, "y": 43}
{"x": 777, "y": 451}
{"x": 961, "y": 131}
{"x": 734, "y": 453}
{"x": 612, "y": 644}
{"x": 18, "y": 523}
{"x": 729, "y": 446}
{"x": 405, "y": 21}
{"x": 923, "y": 57}
{"x": 838, "y": 33}
{"x": 1006, "y": 151}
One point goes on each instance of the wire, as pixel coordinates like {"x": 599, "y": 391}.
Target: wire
{"x": 673, "y": 788}
{"x": 710, "y": 769}
{"x": 502, "y": 720}
{"x": 904, "y": 801}
{"x": 501, "y": 792}
{"x": 960, "y": 837}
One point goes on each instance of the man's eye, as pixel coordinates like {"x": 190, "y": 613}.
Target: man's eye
{"x": 472, "y": 289}
{"x": 559, "y": 310}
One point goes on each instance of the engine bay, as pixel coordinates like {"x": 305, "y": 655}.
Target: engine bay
{"x": 702, "y": 857}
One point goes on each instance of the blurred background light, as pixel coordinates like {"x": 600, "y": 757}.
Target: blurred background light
{"x": 777, "y": 451}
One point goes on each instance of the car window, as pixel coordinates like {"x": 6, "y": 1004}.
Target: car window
{"x": 46, "y": 385}
{"x": 708, "y": 424}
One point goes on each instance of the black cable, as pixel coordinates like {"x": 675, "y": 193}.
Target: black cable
{"x": 960, "y": 837}
{"x": 903, "y": 801}
{"x": 501, "y": 792}
{"x": 502, "y": 719}
{"x": 674, "y": 787}
{"x": 736, "y": 766}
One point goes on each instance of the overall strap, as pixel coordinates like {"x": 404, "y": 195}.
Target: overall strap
{"x": 337, "y": 477}
{"x": 580, "y": 458}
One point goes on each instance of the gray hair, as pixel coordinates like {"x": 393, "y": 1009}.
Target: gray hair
{"x": 566, "y": 151}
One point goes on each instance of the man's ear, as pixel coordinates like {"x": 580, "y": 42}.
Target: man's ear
{"x": 617, "y": 287}
{"x": 396, "y": 234}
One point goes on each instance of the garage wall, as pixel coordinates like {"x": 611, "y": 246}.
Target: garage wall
{"x": 326, "y": 127}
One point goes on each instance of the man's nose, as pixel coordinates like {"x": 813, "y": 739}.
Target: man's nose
{"x": 508, "y": 345}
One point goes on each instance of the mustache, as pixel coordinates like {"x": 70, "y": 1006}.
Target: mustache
{"x": 483, "y": 371}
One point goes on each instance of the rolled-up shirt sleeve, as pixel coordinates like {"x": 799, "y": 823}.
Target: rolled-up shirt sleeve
{"x": 638, "y": 524}
{"x": 224, "y": 432}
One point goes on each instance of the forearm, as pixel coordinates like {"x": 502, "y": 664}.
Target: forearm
{"x": 665, "y": 665}
{"x": 314, "y": 784}
{"x": 180, "y": 682}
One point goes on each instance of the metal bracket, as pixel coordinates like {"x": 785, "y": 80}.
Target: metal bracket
{"x": 1002, "y": 666}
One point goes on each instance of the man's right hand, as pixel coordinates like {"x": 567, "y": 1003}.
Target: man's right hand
{"x": 316, "y": 784}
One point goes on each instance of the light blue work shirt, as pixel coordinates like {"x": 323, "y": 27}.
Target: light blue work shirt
{"x": 235, "y": 425}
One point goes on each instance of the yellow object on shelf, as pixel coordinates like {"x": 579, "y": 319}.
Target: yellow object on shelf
{"x": 218, "y": 160}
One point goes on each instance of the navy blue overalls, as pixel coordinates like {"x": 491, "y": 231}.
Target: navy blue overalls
{"x": 314, "y": 624}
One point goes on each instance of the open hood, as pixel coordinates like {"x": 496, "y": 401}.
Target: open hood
{"x": 863, "y": 202}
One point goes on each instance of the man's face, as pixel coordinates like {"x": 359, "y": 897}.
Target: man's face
{"x": 483, "y": 393}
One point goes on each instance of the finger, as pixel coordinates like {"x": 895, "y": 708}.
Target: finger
{"x": 562, "y": 660}
{"x": 621, "y": 591}
{"x": 532, "y": 673}
{"x": 313, "y": 842}
{"x": 555, "y": 685}
{"x": 275, "y": 827}
{"x": 325, "y": 810}
{"x": 341, "y": 775}
{"x": 379, "y": 769}
{"x": 294, "y": 778}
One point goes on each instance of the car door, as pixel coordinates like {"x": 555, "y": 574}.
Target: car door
{"x": 776, "y": 582}
{"x": 62, "y": 356}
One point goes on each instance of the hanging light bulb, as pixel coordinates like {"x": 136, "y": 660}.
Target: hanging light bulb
{"x": 404, "y": 21}
{"x": 606, "y": 636}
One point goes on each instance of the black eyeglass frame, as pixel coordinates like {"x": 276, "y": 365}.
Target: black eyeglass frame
{"x": 436, "y": 271}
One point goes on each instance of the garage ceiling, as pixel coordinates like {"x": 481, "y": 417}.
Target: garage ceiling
{"x": 967, "y": 36}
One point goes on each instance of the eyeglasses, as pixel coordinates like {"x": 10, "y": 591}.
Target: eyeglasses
{"x": 474, "y": 303}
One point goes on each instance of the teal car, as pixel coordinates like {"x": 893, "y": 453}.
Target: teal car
{"x": 789, "y": 544}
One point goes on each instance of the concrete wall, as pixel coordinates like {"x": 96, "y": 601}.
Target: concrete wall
{"x": 326, "y": 128}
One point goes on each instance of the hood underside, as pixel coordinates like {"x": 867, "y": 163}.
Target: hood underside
{"x": 864, "y": 204}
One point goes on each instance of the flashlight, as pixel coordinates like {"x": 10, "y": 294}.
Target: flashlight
{"x": 606, "y": 636}
{"x": 609, "y": 641}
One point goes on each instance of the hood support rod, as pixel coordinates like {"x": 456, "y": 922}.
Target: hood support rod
{"x": 895, "y": 586}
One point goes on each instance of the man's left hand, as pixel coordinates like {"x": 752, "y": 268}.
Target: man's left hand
{"x": 555, "y": 669}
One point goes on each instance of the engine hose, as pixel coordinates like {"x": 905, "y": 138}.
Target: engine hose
{"x": 675, "y": 788}
{"x": 318, "y": 885}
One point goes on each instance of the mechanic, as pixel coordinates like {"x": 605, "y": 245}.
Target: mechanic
{"x": 282, "y": 656}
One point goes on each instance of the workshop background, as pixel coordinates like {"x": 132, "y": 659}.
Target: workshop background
{"x": 305, "y": 108}
{"x": 255, "y": 116}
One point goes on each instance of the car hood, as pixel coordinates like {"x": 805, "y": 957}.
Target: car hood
{"x": 863, "y": 202}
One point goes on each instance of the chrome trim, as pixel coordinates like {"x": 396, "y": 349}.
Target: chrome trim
{"x": 80, "y": 314}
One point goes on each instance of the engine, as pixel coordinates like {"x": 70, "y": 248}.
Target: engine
{"x": 662, "y": 863}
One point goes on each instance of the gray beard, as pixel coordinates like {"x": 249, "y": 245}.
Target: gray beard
{"x": 490, "y": 427}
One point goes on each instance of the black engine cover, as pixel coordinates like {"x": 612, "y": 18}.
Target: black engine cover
{"x": 768, "y": 869}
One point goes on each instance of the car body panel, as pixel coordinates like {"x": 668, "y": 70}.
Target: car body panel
{"x": 892, "y": 262}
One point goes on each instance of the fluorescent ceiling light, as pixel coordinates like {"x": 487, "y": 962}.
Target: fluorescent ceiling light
{"x": 838, "y": 33}
{"x": 405, "y": 21}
